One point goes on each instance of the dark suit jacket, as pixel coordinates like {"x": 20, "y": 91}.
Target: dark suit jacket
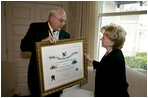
{"x": 36, "y": 32}
{"x": 110, "y": 75}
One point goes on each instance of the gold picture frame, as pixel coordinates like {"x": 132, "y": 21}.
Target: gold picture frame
{"x": 60, "y": 65}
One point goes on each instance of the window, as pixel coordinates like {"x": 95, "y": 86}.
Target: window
{"x": 132, "y": 16}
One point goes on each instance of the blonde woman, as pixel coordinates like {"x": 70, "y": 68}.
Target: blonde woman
{"x": 110, "y": 71}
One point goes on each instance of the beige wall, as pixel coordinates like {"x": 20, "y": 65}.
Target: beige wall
{"x": 3, "y": 34}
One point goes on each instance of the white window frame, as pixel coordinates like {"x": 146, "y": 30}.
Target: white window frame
{"x": 100, "y": 15}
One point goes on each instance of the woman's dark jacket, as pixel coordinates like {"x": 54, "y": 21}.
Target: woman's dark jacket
{"x": 111, "y": 75}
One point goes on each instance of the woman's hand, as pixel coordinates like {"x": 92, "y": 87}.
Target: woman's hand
{"x": 88, "y": 58}
{"x": 51, "y": 39}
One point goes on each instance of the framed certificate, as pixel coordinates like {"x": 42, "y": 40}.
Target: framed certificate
{"x": 60, "y": 65}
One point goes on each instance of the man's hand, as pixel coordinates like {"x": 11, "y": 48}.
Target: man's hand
{"x": 50, "y": 39}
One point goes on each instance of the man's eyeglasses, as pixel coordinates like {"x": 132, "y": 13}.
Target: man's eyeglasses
{"x": 60, "y": 20}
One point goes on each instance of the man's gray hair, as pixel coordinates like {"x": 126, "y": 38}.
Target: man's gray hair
{"x": 55, "y": 10}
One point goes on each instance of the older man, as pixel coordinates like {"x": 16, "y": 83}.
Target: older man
{"x": 43, "y": 31}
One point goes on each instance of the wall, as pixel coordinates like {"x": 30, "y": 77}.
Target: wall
{"x": 3, "y": 34}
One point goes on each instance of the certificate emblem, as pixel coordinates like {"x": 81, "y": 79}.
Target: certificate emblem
{"x": 64, "y": 54}
{"x": 53, "y": 77}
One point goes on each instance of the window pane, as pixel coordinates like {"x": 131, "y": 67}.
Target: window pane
{"x": 122, "y": 6}
{"x": 136, "y": 28}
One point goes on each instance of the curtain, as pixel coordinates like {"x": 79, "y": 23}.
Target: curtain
{"x": 89, "y": 27}
{"x": 83, "y": 23}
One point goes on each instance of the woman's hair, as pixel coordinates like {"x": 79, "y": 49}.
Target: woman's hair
{"x": 116, "y": 34}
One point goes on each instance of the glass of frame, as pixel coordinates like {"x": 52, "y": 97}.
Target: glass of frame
{"x": 60, "y": 65}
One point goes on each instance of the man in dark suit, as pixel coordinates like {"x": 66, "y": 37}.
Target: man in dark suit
{"x": 43, "y": 31}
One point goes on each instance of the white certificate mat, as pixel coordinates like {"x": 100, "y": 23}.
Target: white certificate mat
{"x": 62, "y": 64}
